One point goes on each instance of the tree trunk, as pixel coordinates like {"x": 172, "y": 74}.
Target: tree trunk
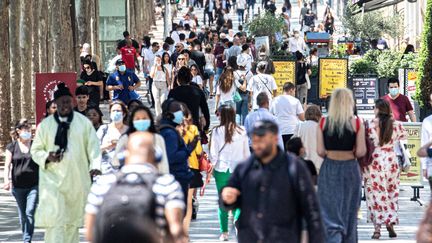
{"x": 83, "y": 21}
{"x": 95, "y": 40}
{"x": 25, "y": 43}
{"x": 36, "y": 8}
{"x": 76, "y": 62}
{"x": 15, "y": 64}
{"x": 61, "y": 32}
{"x": 5, "y": 102}
{"x": 43, "y": 36}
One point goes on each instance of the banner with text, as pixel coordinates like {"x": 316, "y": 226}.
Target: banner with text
{"x": 365, "y": 91}
{"x": 414, "y": 176}
{"x": 46, "y": 85}
{"x": 333, "y": 74}
{"x": 285, "y": 71}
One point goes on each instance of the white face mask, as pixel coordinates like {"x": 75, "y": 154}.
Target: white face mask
{"x": 296, "y": 36}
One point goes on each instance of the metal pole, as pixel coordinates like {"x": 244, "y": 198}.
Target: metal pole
{"x": 167, "y": 22}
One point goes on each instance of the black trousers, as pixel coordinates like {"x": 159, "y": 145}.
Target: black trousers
{"x": 150, "y": 85}
{"x": 286, "y": 138}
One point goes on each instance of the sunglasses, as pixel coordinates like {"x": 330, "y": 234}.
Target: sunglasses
{"x": 86, "y": 68}
{"x": 177, "y": 47}
{"x": 193, "y": 69}
{"x": 180, "y": 58}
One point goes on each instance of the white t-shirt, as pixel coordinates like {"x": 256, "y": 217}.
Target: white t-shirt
{"x": 297, "y": 44}
{"x": 286, "y": 108}
{"x": 197, "y": 79}
{"x": 228, "y": 96}
{"x": 149, "y": 56}
{"x": 261, "y": 83}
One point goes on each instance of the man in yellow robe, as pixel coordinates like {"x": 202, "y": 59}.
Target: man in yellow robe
{"x": 66, "y": 149}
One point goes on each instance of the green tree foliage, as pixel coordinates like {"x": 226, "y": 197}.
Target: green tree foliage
{"x": 266, "y": 24}
{"x": 425, "y": 59}
{"x": 373, "y": 25}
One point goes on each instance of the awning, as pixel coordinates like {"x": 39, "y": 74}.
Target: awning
{"x": 371, "y": 5}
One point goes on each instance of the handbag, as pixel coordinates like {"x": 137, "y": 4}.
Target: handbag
{"x": 204, "y": 162}
{"x": 366, "y": 160}
{"x": 237, "y": 97}
{"x": 403, "y": 155}
{"x": 308, "y": 83}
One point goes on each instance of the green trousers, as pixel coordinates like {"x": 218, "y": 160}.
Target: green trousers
{"x": 222, "y": 179}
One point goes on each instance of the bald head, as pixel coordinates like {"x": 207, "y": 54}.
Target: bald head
{"x": 140, "y": 148}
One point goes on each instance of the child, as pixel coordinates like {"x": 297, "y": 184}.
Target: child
{"x": 295, "y": 145}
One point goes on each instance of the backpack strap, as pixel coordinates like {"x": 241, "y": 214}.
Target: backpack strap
{"x": 322, "y": 123}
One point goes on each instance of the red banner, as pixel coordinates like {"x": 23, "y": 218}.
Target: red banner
{"x": 46, "y": 85}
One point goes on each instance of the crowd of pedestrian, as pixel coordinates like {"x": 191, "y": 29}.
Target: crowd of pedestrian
{"x": 281, "y": 167}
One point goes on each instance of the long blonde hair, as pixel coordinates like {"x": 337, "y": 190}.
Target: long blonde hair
{"x": 341, "y": 111}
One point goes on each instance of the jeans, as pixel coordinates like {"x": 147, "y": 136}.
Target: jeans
{"x": 242, "y": 108}
{"x": 160, "y": 93}
{"x": 240, "y": 14}
{"x": 222, "y": 179}
{"x": 218, "y": 74}
{"x": 27, "y": 199}
{"x": 302, "y": 92}
{"x": 339, "y": 193}
{"x": 253, "y": 11}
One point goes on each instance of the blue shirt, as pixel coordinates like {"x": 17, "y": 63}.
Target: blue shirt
{"x": 127, "y": 79}
{"x": 260, "y": 115}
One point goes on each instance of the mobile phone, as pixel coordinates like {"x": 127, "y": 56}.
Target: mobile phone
{"x": 304, "y": 100}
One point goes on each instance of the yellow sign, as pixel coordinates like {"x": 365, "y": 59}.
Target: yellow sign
{"x": 414, "y": 175}
{"x": 284, "y": 72}
{"x": 333, "y": 74}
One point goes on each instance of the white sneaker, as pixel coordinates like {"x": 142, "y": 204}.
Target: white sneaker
{"x": 223, "y": 237}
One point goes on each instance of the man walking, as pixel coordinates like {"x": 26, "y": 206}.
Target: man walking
{"x": 302, "y": 70}
{"x": 399, "y": 103}
{"x": 274, "y": 192}
{"x": 288, "y": 111}
{"x": 261, "y": 114}
{"x": 261, "y": 82}
{"x": 66, "y": 149}
{"x": 140, "y": 156}
{"x": 123, "y": 83}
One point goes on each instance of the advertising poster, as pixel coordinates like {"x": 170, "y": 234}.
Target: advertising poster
{"x": 262, "y": 41}
{"x": 414, "y": 176}
{"x": 46, "y": 85}
{"x": 410, "y": 82}
{"x": 333, "y": 74}
{"x": 365, "y": 92}
{"x": 284, "y": 72}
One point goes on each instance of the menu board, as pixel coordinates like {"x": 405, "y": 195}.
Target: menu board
{"x": 414, "y": 176}
{"x": 365, "y": 92}
{"x": 284, "y": 72}
{"x": 333, "y": 74}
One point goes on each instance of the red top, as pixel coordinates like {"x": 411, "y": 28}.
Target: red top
{"x": 128, "y": 56}
{"x": 399, "y": 106}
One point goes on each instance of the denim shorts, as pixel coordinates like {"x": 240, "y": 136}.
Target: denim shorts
{"x": 209, "y": 72}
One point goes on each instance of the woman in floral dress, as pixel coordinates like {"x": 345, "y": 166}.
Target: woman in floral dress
{"x": 382, "y": 176}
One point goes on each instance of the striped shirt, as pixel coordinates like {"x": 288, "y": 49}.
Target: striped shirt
{"x": 167, "y": 190}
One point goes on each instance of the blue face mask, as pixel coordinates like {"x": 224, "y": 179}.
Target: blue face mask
{"x": 178, "y": 117}
{"x": 116, "y": 116}
{"x": 122, "y": 68}
{"x": 141, "y": 125}
{"x": 25, "y": 135}
{"x": 394, "y": 91}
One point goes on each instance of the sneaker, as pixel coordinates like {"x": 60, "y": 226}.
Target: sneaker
{"x": 223, "y": 237}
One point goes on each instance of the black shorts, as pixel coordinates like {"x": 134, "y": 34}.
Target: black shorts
{"x": 197, "y": 180}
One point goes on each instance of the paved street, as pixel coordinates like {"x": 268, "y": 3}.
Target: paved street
{"x": 206, "y": 227}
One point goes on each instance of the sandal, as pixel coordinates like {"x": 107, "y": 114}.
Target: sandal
{"x": 390, "y": 229}
{"x": 376, "y": 235}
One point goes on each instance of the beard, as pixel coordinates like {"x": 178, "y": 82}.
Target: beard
{"x": 267, "y": 151}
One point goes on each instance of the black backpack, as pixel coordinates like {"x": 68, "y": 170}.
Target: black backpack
{"x": 130, "y": 196}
